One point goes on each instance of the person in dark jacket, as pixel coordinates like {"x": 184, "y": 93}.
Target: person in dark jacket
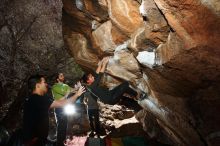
{"x": 36, "y": 107}
{"x": 113, "y": 96}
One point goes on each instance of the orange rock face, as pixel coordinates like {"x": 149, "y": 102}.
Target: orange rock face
{"x": 107, "y": 37}
{"x": 194, "y": 22}
{"x": 125, "y": 15}
{"x": 184, "y": 78}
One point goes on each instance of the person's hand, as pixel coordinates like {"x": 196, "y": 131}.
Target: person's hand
{"x": 105, "y": 60}
{"x": 80, "y": 91}
{"x": 77, "y": 85}
{"x": 100, "y": 63}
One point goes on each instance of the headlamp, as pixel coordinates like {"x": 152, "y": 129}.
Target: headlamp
{"x": 69, "y": 109}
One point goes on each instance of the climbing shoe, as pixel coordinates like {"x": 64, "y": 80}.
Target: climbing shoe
{"x": 143, "y": 95}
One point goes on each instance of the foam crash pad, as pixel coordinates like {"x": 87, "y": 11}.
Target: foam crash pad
{"x": 126, "y": 141}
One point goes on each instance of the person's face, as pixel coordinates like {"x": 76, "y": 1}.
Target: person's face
{"x": 61, "y": 77}
{"x": 90, "y": 79}
{"x": 42, "y": 86}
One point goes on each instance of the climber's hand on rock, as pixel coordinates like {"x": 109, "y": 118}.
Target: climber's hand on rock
{"x": 105, "y": 60}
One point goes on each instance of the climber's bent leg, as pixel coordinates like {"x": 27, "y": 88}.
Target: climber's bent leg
{"x": 118, "y": 92}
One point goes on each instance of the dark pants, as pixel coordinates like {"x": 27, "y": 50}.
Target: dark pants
{"x": 94, "y": 120}
{"x": 61, "y": 120}
{"x": 36, "y": 142}
{"x": 118, "y": 92}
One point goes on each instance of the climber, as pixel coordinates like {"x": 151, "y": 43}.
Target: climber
{"x": 108, "y": 96}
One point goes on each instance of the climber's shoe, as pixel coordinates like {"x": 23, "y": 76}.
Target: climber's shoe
{"x": 143, "y": 95}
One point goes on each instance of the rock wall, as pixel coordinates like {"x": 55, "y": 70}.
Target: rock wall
{"x": 30, "y": 42}
{"x": 169, "y": 49}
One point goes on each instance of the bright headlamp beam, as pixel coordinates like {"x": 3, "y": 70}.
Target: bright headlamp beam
{"x": 69, "y": 109}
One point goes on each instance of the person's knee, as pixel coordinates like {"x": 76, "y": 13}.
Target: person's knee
{"x": 113, "y": 102}
{"x": 125, "y": 84}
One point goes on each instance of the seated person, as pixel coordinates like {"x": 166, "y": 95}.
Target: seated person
{"x": 107, "y": 96}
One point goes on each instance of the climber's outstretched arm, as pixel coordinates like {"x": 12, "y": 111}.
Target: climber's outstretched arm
{"x": 102, "y": 65}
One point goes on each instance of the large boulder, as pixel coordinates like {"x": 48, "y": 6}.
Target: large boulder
{"x": 169, "y": 49}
